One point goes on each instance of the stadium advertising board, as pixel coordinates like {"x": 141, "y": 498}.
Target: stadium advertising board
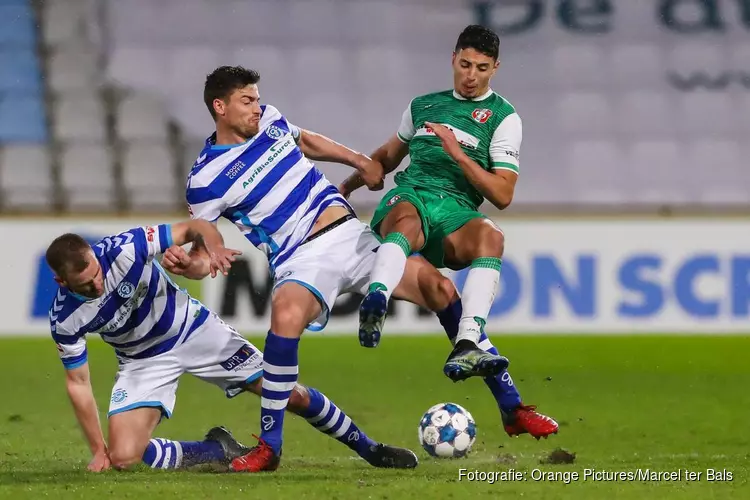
{"x": 594, "y": 276}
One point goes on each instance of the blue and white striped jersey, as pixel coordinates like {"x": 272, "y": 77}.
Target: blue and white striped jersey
{"x": 142, "y": 313}
{"x": 265, "y": 186}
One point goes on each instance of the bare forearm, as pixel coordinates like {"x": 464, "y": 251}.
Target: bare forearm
{"x": 388, "y": 155}
{"x": 84, "y": 405}
{"x": 320, "y": 148}
{"x": 493, "y": 188}
{"x": 390, "y": 161}
{"x": 353, "y": 182}
{"x": 203, "y": 233}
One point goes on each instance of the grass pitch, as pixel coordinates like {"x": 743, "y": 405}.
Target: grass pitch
{"x": 666, "y": 404}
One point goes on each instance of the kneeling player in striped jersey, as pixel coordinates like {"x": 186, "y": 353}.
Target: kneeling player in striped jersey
{"x": 117, "y": 289}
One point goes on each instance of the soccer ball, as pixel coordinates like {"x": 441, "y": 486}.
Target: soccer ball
{"x": 447, "y": 430}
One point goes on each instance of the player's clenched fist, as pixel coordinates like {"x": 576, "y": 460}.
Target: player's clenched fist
{"x": 218, "y": 260}
{"x": 371, "y": 172}
{"x": 176, "y": 260}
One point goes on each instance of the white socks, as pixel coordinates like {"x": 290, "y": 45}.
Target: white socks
{"x": 390, "y": 264}
{"x": 477, "y": 297}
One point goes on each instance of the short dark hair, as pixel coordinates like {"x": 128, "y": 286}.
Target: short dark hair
{"x": 67, "y": 253}
{"x": 223, "y": 81}
{"x": 481, "y": 39}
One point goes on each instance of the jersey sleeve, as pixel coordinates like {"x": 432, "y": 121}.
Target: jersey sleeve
{"x": 70, "y": 347}
{"x": 157, "y": 239}
{"x": 142, "y": 243}
{"x": 505, "y": 147}
{"x": 294, "y": 130}
{"x": 406, "y": 130}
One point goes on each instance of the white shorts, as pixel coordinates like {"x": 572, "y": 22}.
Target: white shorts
{"x": 215, "y": 353}
{"x": 336, "y": 262}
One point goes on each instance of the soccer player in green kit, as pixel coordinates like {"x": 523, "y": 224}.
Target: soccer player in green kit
{"x": 464, "y": 148}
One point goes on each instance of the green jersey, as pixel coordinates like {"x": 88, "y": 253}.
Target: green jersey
{"x": 488, "y": 129}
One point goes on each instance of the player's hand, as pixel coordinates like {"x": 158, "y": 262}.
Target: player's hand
{"x": 221, "y": 260}
{"x": 100, "y": 462}
{"x": 176, "y": 260}
{"x": 372, "y": 172}
{"x": 448, "y": 138}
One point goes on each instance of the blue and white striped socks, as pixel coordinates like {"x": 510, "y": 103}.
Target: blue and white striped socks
{"x": 163, "y": 454}
{"x": 325, "y": 416}
{"x": 168, "y": 454}
{"x": 280, "y": 372}
{"x": 501, "y": 386}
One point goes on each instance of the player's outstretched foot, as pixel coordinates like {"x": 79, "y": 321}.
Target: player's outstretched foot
{"x": 372, "y": 312}
{"x": 260, "y": 458}
{"x": 468, "y": 360}
{"x": 525, "y": 419}
{"x": 232, "y": 448}
{"x": 391, "y": 457}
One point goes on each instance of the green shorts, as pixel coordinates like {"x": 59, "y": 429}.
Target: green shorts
{"x": 441, "y": 215}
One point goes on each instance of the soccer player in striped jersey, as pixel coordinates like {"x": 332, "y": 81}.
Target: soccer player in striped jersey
{"x": 255, "y": 171}
{"x": 117, "y": 289}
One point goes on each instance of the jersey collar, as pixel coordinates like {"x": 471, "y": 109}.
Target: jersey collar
{"x": 211, "y": 142}
{"x": 82, "y": 298}
{"x": 480, "y": 98}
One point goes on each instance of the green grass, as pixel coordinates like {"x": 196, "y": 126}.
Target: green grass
{"x": 664, "y": 403}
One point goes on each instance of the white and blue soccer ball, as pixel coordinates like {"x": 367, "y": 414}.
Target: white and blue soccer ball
{"x": 447, "y": 430}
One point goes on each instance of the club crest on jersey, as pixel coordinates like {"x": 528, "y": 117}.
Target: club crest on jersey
{"x": 125, "y": 290}
{"x": 481, "y": 115}
{"x": 274, "y": 132}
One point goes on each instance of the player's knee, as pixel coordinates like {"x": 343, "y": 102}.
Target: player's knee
{"x": 439, "y": 291}
{"x": 446, "y": 292}
{"x": 125, "y": 457}
{"x": 288, "y": 318}
{"x": 492, "y": 242}
{"x": 288, "y": 322}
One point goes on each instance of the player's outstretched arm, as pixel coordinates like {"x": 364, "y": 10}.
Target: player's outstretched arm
{"x": 78, "y": 384}
{"x": 320, "y": 148}
{"x": 191, "y": 230}
{"x": 210, "y": 245}
{"x": 389, "y": 156}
